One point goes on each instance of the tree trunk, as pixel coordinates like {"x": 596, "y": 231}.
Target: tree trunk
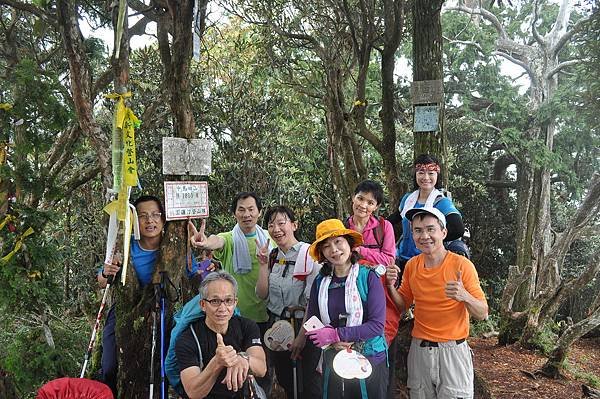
{"x": 343, "y": 141}
{"x": 393, "y": 26}
{"x": 428, "y": 65}
{"x": 534, "y": 290}
{"x": 557, "y": 359}
{"x": 81, "y": 85}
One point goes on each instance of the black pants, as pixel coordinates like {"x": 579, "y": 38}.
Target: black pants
{"x": 307, "y": 377}
{"x": 392, "y": 368}
{"x": 108, "y": 373}
{"x": 338, "y": 388}
{"x": 266, "y": 382}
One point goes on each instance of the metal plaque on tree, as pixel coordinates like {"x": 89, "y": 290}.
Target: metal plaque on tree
{"x": 427, "y": 91}
{"x": 426, "y": 118}
{"x": 186, "y": 199}
{"x": 182, "y": 156}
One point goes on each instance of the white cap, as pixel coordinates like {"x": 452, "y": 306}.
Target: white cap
{"x": 411, "y": 213}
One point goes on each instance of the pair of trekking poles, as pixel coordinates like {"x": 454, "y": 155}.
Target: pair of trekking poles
{"x": 159, "y": 308}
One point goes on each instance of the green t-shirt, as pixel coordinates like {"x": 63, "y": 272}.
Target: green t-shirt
{"x": 249, "y": 304}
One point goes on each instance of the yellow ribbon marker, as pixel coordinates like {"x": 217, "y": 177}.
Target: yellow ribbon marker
{"x": 121, "y": 107}
{"x": 127, "y": 122}
{"x": 5, "y": 106}
{"x": 17, "y": 247}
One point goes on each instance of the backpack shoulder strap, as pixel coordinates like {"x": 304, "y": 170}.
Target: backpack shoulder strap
{"x": 273, "y": 257}
{"x": 347, "y": 222}
{"x": 439, "y": 198}
{"x": 200, "y": 360}
{"x": 362, "y": 282}
{"x": 379, "y": 232}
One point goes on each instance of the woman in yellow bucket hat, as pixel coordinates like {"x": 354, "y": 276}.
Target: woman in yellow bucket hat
{"x": 349, "y": 300}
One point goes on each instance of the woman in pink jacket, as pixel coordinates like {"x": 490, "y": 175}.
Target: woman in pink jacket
{"x": 378, "y": 248}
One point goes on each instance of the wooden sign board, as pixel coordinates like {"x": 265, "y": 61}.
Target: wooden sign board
{"x": 426, "y": 118}
{"x": 427, "y": 91}
{"x": 186, "y": 199}
{"x": 182, "y": 156}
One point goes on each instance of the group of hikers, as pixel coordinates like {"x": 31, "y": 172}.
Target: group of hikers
{"x": 353, "y": 278}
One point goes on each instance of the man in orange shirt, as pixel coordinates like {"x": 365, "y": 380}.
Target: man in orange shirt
{"x": 445, "y": 289}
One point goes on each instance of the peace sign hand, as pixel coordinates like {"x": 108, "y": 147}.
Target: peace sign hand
{"x": 262, "y": 253}
{"x": 198, "y": 238}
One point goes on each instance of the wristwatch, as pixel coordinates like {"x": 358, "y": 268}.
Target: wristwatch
{"x": 380, "y": 270}
{"x": 244, "y": 355}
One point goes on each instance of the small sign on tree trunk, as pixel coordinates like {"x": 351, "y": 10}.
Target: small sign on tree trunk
{"x": 182, "y": 156}
{"x": 186, "y": 199}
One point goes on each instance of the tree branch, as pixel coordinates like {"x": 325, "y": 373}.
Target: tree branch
{"x": 516, "y": 60}
{"x": 514, "y": 280}
{"x": 536, "y": 14}
{"x": 561, "y": 66}
{"x": 578, "y": 26}
{"x": 487, "y": 15}
{"x": 32, "y": 9}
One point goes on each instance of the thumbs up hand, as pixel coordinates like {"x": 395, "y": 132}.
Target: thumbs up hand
{"x": 455, "y": 289}
{"x": 225, "y": 354}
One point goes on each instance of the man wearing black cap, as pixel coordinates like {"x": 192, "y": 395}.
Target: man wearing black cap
{"x": 445, "y": 290}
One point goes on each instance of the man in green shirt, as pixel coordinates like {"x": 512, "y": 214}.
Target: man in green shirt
{"x": 236, "y": 249}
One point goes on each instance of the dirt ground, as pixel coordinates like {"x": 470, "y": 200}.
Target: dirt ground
{"x": 508, "y": 371}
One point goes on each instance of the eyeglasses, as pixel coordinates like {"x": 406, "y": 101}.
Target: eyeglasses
{"x": 155, "y": 216}
{"x": 216, "y": 302}
{"x": 280, "y": 224}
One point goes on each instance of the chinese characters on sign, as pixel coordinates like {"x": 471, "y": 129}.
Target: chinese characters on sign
{"x": 186, "y": 199}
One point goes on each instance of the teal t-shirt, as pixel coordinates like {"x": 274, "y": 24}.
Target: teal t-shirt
{"x": 250, "y": 305}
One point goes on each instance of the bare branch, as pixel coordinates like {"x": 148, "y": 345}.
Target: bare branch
{"x": 578, "y": 26}
{"x": 585, "y": 213}
{"x": 536, "y": 14}
{"x": 561, "y": 66}
{"x": 500, "y": 184}
{"x": 103, "y": 81}
{"x": 485, "y": 14}
{"x": 465, "y": 42}
{"x": 562, "y": 19}
{"x": 516, "y": 60}
{"x": 32, "y": 9}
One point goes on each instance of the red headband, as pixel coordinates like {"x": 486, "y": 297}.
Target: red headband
{"x": 427, "y": 167}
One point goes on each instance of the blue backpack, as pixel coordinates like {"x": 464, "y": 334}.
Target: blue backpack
{"x": 190, "y": 312}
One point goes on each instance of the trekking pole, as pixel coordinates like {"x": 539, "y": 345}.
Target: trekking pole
{"x": 96, "y": 325}
{"x": 343, "y": 319}
{"x": 154, "y": 321}
{"x": 162, "y": 335}
{"x": 292, "y": 311}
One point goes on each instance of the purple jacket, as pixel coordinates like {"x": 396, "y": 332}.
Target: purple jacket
{"x": 373, "y": 311}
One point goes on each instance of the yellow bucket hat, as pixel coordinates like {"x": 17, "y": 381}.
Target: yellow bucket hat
{"x": 332, "y": 228}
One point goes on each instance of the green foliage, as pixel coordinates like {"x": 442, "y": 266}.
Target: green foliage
{"x": 479, "y": 328}
{"x": 545, "y": 338}
{"x": 31, "y": 361}
{"x": 591, "y": 379}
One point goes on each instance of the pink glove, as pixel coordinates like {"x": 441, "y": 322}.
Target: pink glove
{"x": 324, "y": 336}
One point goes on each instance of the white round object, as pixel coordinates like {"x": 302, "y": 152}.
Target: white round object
{"x": 350, "y": 364}
{"x": 280, "y": 336}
